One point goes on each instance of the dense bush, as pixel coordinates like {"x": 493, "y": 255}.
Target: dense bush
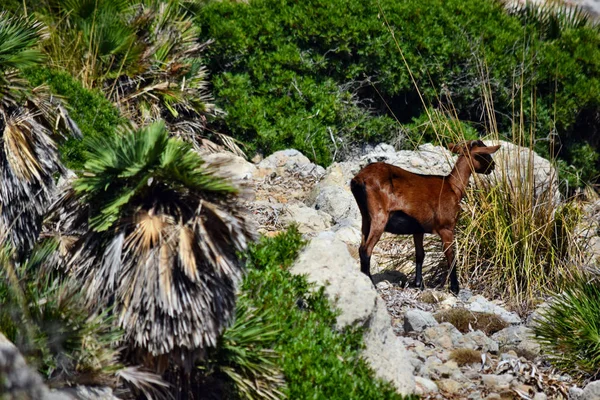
{"x": 568, "y": 329}
{"x": 318, "y": 362}
{"x": 297, "y": 73}
{"x": 95, "y": 116}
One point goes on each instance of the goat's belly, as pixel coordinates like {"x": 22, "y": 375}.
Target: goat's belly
{"x": 401, "y": 223}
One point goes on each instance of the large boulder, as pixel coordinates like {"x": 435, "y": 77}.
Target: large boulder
{"x": 521, "y": 165}
{"x": 288, "y": 161}
{"x": 327, "y": 262}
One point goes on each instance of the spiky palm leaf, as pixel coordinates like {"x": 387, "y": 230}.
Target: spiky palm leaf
{"x": 551, "y": 18}
{"x": 161, "y": 242}
{"x": 174, "y": 83}
{"x": 28, "y": 120}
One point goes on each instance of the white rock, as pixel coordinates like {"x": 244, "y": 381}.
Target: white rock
{"x": 591, "y": 391}
{"x": 291, "y": 161}
{"x": 481, "y": 304}
{"x": 327, "y": 262}
{"x": 228, "y": 165}
{"x": 518, "y": 338}
{"x": 308, "y": 219}
{"x": 444, "y": 335}
{"x": 338, "y": 202}
{"x": 497, "y": 382}
{"x": 418, "y": 320}
{"x": 425, "y": 386}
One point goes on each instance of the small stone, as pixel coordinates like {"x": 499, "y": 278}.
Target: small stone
{"x": 482, "y": 342}
{"x": 444, "y": 335}
{"x": 493, "y": 396}
{"x": 425, "y": 386}
{"x": 418, "y": 320}
{"x": 449, "y": 386}
{"x": 509, "y": 355}
{"x": 464, "y": 295}
{"x": 540, "y": 396}
{"x": 497, "y": 382}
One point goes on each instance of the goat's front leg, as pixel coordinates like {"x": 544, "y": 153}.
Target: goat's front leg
{"x": 419, "y": 257}
{"x": 447, "y": 236}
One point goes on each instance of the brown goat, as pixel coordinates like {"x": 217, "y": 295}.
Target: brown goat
{"x": 394, "y": 200}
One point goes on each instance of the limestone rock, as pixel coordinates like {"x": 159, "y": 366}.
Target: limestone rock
{"x": 518, "y": 338}
{"x": 228, "y": 165}
{"x": 425, "y": 386}
{"x": 308, "y": 219}
{"x": 327, "y": 262}
{"x": 444, "y": 335}
{"x": 591, "y": 391}
{"x": 481, "y": 304}
{"x": 290, "y": 161}
{"x": 418, "y": 320}
{"x": 497, "y": 382}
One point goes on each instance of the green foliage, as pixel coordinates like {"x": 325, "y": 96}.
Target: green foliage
{"x": 435, "y": 126}
{"x": 305, "y": 323}
{"x": 138, "y": 165}
{"x": 18, "y": 39}
{"x": 95, "y": 116}
{"x": 46, "y": 317}
{"x": 285, "y": 71}
{"x": 244, "y": 355}
{"x": 568, "y": 329}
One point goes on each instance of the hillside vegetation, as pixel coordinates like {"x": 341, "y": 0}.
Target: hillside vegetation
{"x": 126, "y": 262}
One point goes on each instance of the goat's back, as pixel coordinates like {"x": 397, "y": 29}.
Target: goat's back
{"x": 387, "y": 188}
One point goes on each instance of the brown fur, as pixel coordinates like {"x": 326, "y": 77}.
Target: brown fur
{"x": 394, "y": 200}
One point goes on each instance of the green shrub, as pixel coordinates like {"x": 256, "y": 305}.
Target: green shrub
{"x": 95, "y": 116}
{"x": 568, "y": 329}
{"x": 318, "y": 362}
{"x": 285, "y": 71}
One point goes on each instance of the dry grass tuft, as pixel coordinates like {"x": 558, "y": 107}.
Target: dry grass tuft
{"x": 432, "y": 297}
{"x": 465, "y": 320}
{"x": 465, "y": 356}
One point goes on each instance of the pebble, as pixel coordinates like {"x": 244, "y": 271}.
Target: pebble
{"x": 450, "y": 386}
{"x": 497, "y": 382}
{"x": 425, "y": 385}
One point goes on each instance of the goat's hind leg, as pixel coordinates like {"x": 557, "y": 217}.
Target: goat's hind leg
{"x": 419, "y": 257}
{"x": 371, "y": 236}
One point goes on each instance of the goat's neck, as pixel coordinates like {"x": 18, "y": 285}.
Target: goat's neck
{"x": 459, "y": 176}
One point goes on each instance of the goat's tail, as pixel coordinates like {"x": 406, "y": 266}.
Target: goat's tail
{"x": 359, "y": 191}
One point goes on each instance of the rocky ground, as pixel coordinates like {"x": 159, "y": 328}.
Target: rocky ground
{"x": 464, "y": 347}
{"x": 430, "y": 342}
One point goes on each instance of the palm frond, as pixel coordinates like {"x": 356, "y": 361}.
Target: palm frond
{"x": 551, "y": 18}
{"x": 162, "y": 240}
{"x": 244, "y": 355}
{"x": 18, "y": 37}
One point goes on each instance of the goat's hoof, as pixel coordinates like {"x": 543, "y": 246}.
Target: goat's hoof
{"x": 419, "y": 285}
{"x": 455, "y": 290}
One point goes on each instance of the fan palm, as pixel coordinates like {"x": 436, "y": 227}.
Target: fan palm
{"x": 145, "y": 55}
{"x": 158, "y": 237}
{"x": 29, "y": 117}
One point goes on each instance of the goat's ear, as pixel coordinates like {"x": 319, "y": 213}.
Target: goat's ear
{"x": 455, "y": 148}
{"x": 485, "y": 150}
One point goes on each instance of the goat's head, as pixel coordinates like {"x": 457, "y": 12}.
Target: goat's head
{"x": 478, "y": 153}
